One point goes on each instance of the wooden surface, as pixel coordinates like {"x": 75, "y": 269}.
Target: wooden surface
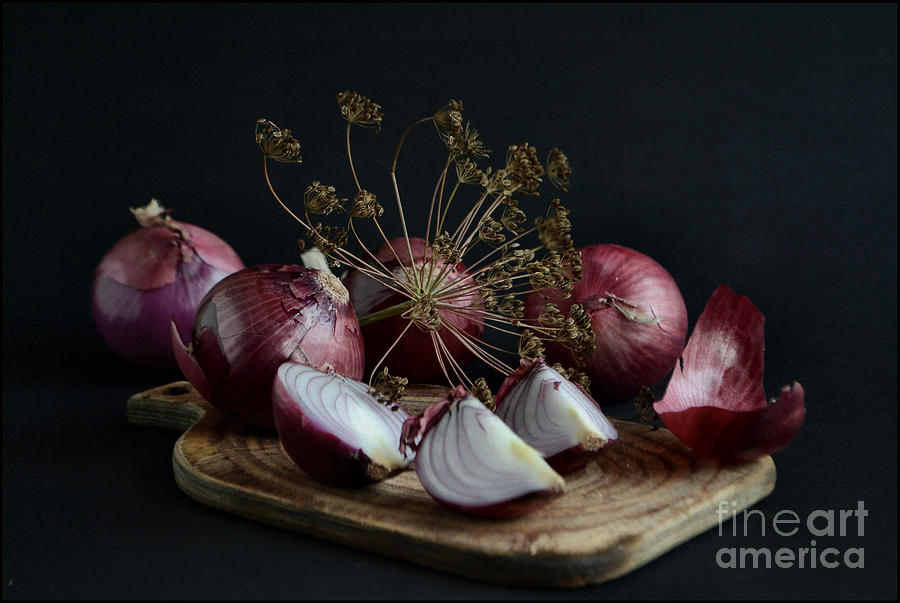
{"x": 645, "y": 495}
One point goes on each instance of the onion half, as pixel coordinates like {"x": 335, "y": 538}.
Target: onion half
{"x": 637, "y": 314}
{"x": 715, "y": 403}
{"x": 153, "y": 276}
{"x": 554, "y": 415}
{"x": 468, "y": 459}
{"x": 333, "y": 429}
{"x": 255, "y": 320}
{"x": 414, "y": 355}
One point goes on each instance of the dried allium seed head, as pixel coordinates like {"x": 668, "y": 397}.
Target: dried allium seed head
{"x": 467, "y": 172}
{"x": 511, "y": 307}
{"x": 547, "y": 273}
{"x": 577, "y": 334}
{"x": 513, "y": 216}
{"x": 320, "y": 199}
{"x": 276, "y": 143}
{"x": 328, "y": 238}
{"x": 360, "y": 110}
{"x": 491, "y": 232}
{"x": 448, "y": 120}
{"x": 554, "y": 229}
{"x": 444, "y": 249}
{"x": 530, "y": 345}
{"x": 468, "y": 143}
{"x": 481, "y": 391}
{"x": 643, "y": 406}
{"x": 558, "y": 170}
{"x": 365, "y": 205}
{"x": 524, "y": 169}
{"x": 574, "y": 375}
{"x": 388, "y": 389}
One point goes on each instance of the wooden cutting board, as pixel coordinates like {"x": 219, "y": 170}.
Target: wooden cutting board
{"x": 644, "y": 496}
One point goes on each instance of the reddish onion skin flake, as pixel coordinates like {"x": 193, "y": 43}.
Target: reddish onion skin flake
{"x": 715, "y": 402}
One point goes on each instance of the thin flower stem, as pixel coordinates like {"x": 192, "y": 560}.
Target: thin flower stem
{"x": 385, "y": 355}
{"x": 350, "y": 158}
{"x": 467, "y": 220}
{"x": 440, "y": 198}
{"x": 447, "y": 207}
{"x": 457, "y": 369}
{"x": 439, "y": 186}
{"x": 404, "y": 288}
{"x": 468, "y": 341}
{"x": 409, "y": 277}
{"x": 498, "y": 248}
{"x": 277, "y": 198}
{"x": 486, "y": 319}
{"x": 397, "y": 192}
{"x": 437, "y": 353}
{"x": 344, "y": 255}
{"x": 484, "y": 343}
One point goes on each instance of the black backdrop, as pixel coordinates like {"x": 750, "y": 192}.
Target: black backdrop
{"x": 753, "y": 145}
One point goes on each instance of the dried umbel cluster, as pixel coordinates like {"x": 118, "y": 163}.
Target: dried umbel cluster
{"x": 452, "y": 283}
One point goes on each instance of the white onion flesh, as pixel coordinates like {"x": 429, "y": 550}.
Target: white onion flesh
{"x": 343, "y": 408}
{"x": 552, "y": 414}
{"x": 470, "y": 458}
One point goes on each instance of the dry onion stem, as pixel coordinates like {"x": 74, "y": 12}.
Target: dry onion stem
{"x": 493, "y": 230}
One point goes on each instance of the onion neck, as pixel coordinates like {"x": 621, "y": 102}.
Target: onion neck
{"x": 153, "y": 214}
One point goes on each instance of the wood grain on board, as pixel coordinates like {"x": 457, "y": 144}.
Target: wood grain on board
{"x": 645, "y": 495}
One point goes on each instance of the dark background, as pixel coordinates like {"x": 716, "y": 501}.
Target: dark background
{"x": 748, "y": 145}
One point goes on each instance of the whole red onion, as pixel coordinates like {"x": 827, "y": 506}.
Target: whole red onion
{"x": 637, "y": 314}
{"x": 255, "y": 320}
{"x": 153, "y": 276}
{"x": 414, "y": 356}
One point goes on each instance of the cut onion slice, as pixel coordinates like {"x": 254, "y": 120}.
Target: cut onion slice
{"x": 554, "y": 415}
{"x": 715, "y": 402}
{"x": 468, "y": 459}
{"x": 334, "y": 429}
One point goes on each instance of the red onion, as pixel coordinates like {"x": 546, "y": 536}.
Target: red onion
{"x": 637, "y": 314}
{"x": 468, "y": 459}
{"x": 553, "y": 415}
{"x": 153, "y": 276}
{"x": 255, "y": 320}
{"x": 414, "y": 356}
{"x": 715, "y": 402}
{"x": 334, "y": 429}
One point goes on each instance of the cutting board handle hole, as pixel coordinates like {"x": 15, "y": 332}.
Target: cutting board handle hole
{"x": 177, "y": 390}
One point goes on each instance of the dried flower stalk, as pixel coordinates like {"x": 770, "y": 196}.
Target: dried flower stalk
{"x": 505, "y": 269}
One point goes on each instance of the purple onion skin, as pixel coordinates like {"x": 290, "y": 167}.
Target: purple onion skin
{"x": 149, "y": 278}
{"x": 319, "y": 453}
{"x": 414, "y": 356}
{"x": 258, "y": 318}
{"x": 628, "y": 354}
